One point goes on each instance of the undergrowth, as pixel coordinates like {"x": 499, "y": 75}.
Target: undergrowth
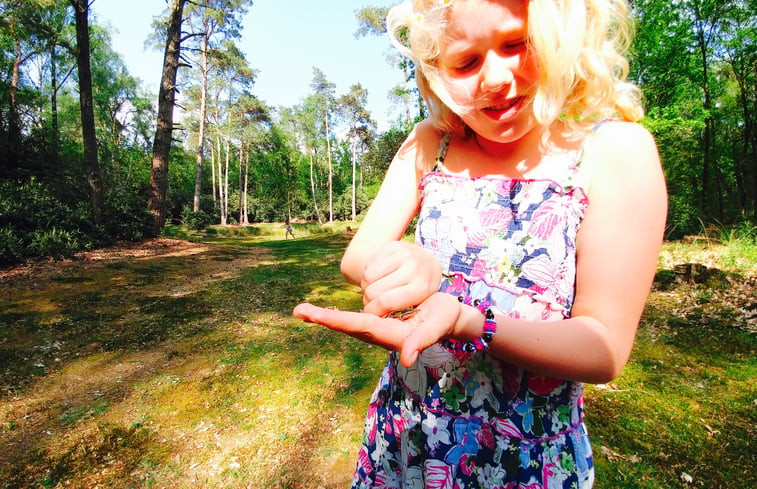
{"x": 186, "y": 370}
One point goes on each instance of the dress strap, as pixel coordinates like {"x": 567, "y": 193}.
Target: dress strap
{"x": 599, "y": 124}
{"x": 573, "y": 171}
{"x": 441, "y": 154}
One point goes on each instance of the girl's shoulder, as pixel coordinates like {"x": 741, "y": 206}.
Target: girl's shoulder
{"x": 619, "y": 150}
{"x": 426, "y": 135}
{"x": 605, "y": 151}
{"x": 421, "y": 146}
{"x": 622, "y": 145}
{"x": 622, "y": 133}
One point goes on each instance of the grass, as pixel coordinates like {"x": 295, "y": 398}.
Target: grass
{"x": 177, "y": 364}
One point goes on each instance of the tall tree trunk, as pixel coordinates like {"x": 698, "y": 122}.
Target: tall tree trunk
{"x": 331, "y": 169}
{"x": 201, "y": 132}
{"x": 753, "y": 155}
{"x": 719, "y": 194}
{"x": 707, "y": 136}
{"x": 354, "y": 180}
{"x": 81, "y": 13}
{"x": 226, "y": 182}
{"x": 312, "y": 183}
{"x": 14, "y": 121}
{"x": 213, "y": 174}
{"x": 219, "y": 174}
{"x": 747, "y": 186}
{"x": 55, "y": 138}
{"x": 741, "y": 160}
{"x": 161, "y": 149}
{"x": 406, "y": 91}
{"x": 240, "y": 183}
{"x": 246, "y": 187}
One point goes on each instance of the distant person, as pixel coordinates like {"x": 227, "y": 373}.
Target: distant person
{"x": 289, "y": 230}
{"x": 541, "y": 207}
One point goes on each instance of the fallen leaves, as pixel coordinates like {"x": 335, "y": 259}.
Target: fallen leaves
{"x": 614, "y": 456}
{"x": 710, "y": 430}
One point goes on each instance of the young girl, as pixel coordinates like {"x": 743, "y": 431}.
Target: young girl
{"x": 541, "y": 208}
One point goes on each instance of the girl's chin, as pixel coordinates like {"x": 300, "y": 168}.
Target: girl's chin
{"x": 504, "y": 133}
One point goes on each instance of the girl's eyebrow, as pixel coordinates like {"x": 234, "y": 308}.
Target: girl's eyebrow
{"x": 515, "y": 29}
{"x": 458, "y": 44}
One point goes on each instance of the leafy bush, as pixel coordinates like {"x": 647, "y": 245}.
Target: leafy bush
{"x": 125, "y": 216}
{"x": 12, "y": 248}
{"x": 742, "y": 232}
{"x": 38, "y": 219}
{"x": 343, "y": 204}
{"x": 56, "y": 243}
{"x": 264, "y": 210}
{"x": 683, "y": 218}
{"x": 196, "y": 221}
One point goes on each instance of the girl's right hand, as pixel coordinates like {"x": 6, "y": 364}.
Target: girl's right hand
{"x": 436, "y": 318}
{"x": 397, "y": 276}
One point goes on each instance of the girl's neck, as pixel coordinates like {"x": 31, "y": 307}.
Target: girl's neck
{"x": 519, "y": 158}
{"x": 515, "y": 158}
{"x": 522, "y": 148}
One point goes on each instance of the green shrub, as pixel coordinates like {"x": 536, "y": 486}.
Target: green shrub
{"x": 125, "y": 216}
{"x": 683, "y": 218}
{"x": 264, "y": 210}
{"x": 343, "y": 204}
{"x": 55, "y": 242}
{"x": 196, "y": 221}
{"x": 12, "y": 248}
{"x": 744, "y": 232}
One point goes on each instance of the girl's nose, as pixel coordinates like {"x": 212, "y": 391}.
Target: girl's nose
{"x": 496, "y": 74}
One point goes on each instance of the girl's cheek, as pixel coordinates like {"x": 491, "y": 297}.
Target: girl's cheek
{"x": 461, "y": 91}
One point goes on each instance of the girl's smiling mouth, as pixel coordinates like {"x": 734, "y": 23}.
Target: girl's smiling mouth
{"x": 504, "y": 110}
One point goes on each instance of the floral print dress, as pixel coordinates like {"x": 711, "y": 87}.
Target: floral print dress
{"x": 468, "y": 420}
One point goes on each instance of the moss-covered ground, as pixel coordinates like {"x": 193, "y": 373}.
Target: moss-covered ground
{"x": 175, "y": 363}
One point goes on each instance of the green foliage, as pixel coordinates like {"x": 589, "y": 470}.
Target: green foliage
{"x": 741, "y": 242}
{"x": 683, "y": 217}
{"x": 125, "y": 215}
{"x": 743, "y": 232}
{"x": 32, "y": 216}
{"x": 265, "y": 210}
{"x": 343, "y": 204}
{"x": 37, "y": 222}
{"x": 677, "y": 137}
{"x": 55, "y": 242}
{"x": 196, "y": 221}
{"x": 12, "y": 248}
{"x": 378, "y": 157}
{"x": 693, "y": 61}
{"x": 181, "y": 178}
{"x": 210, "y": 342}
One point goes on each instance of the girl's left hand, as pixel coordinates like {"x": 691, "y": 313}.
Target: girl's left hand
{"x": 433, "y": 320}
{"x": 399, "y": 275}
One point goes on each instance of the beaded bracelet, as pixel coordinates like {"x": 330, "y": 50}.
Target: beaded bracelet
{"x": 490, "y": 328}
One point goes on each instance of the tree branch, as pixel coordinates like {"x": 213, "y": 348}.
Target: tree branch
{"x": 189, "y": 36}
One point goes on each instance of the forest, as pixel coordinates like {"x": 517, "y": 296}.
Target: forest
{"x": 89, "y": 158}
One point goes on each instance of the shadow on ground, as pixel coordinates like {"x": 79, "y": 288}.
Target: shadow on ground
{"x": 142, "y": 370}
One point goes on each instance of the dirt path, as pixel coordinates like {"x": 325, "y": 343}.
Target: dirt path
{"x": 38, "y": 271}
{"x": 77, "y": 334}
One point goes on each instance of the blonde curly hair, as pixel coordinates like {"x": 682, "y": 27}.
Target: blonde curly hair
{"x": 579, "y": 46}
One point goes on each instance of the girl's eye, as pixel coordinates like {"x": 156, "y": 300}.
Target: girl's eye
{"x": 515, "y": 45}
{"x": 466, "y": 65}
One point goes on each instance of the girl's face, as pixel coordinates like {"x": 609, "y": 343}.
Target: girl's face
{"x": 486, "y": 66}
